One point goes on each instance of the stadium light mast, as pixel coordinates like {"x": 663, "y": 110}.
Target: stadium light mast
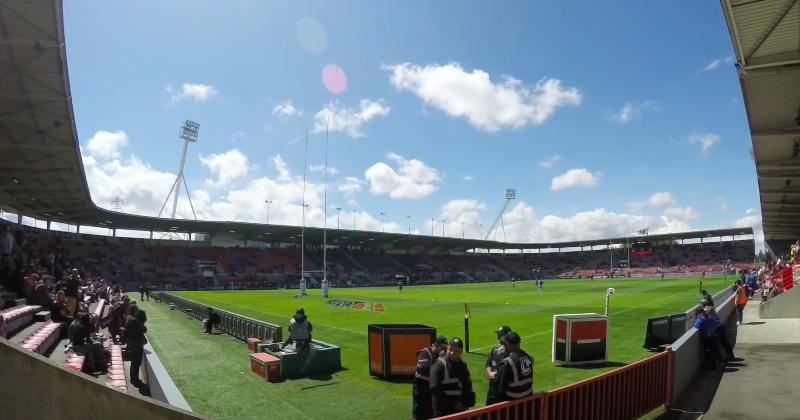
{"x": 338, "y": 213}
{"x": 382, "y": 219}
{"x": 409, "y": 224}
{"x": 268, "y": 203}
{"x": 188, "y": 133}
{"x": 511, "y": 194}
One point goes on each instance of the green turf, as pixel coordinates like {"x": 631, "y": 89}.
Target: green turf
{"x": 213, "y": 372}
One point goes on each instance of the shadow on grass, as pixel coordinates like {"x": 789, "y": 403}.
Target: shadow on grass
{"x": 595, "y": 365}
{"x": 754, "y": 323}
{"x": 394, "y": 380}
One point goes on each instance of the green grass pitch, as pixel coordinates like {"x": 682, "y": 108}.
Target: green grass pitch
{"x": 213, "y": 371}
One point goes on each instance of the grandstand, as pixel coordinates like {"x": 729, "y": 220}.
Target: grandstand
{"x": 45, "y": 181}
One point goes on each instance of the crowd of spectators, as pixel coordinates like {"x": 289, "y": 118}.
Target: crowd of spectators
{"x": 68, "y": 290}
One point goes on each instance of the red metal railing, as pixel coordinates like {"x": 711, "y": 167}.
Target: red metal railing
{"x": 625, "y": 393}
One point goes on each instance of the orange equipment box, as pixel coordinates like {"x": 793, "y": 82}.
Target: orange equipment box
{"x": 393, "y": 348}
{"x": 252, "y": 342}
{"x": 266, "y": 366}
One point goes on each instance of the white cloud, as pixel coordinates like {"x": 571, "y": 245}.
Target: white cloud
{"x": 226, "y": 166}
{"x": 413, "y": 179}
{"x": 460, "y": 216}
{"x": 350, "y": 186}
{"x": 661, "y": 199}
{"x": 704, "y": 140}
{"x": 549, "y": 162}
{"x": 633, "y": 110}
{"x": 142, "y": 188}
{"x": 752, "y": 218}
{"x": 468, "y": 177}
{"x": 485, "y": 104}
{"x": 107, "y": 145}
{"x": 717, "y": 62}
{"x": 339, "y": 118}
{"x": 522, "y": 225}
{"x": 683, "y": 214}
{"x": 193, "y": 92}
{"x": 286, "y": 110}
{"x": 713, "y": 65}
{"x": 321, "y": 168}
{"x": 574, "y": 178}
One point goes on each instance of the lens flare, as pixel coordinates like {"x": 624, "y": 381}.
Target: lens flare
{"x": 334, "y": 79}
{"x": 311, "y": 36}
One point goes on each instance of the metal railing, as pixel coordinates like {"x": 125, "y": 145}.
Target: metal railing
{"x": 624, "y": 393}
{"x": 233, "y": 324}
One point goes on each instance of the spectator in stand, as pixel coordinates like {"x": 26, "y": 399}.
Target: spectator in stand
{"x": 118, "y": 314}
{"x": 41, "y": 296}
{"x": 80, "y": 336}
{"x": 71, "y": 291}
{"x": 135, "y": 341}
{"x": 59, "y": 311}
{"x": 751, "y": 283}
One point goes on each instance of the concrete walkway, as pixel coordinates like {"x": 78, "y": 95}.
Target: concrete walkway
{"x": 763, "y": 384}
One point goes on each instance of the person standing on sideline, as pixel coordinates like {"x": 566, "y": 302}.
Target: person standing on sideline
{"x": 740, "y": 299}
{"x": 707, "y": 297}
{"x": 496, "y": 355}
{"x": 514, "y": 379}
{"x": 450, "y": 382}
{"x": 208, "y": 323}
{"x": 421, "y": 408}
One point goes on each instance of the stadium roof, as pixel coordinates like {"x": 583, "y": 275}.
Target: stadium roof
{"x": 43, "y": 175}
{"x": 766, "y": 39}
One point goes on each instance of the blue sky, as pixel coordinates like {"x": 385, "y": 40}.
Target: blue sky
{"x": 635, "y": 105}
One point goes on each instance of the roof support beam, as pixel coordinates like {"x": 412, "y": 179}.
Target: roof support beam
{"x": 778, "y": 19}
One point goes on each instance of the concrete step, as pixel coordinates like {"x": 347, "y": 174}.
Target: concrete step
{"x": 20, "y": 302}
{"x": 20, "y": 334}
{"x": 42, "y": 316}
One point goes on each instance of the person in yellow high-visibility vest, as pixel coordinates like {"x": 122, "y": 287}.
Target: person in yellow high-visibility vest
{"x": 740, "y": 299}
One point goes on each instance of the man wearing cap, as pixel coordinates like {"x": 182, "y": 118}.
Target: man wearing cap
{"x": 496, "y": 355}
{"x": 300, "y": 331}
{"x": 450, "y": 382}
{"x": 420, "y": 391}
{"x": 514, "y": 379}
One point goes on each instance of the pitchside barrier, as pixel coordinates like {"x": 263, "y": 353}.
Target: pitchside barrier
{"x": 233, "y": 324}
{"x": 628, "y": 392}
{"x": 687, "y": 351}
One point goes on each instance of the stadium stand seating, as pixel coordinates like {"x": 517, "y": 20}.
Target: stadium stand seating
{"x": 191, "y": 265}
